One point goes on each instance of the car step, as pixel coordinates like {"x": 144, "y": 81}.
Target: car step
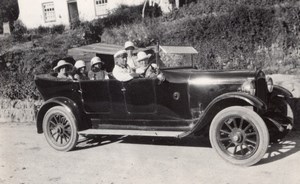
{"x": 131, "y": 132}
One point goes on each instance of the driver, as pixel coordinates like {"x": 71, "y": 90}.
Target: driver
{"x": 122, "y": 71}
{"x": 145, "y": 69}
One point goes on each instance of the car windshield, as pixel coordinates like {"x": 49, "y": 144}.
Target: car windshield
{"x": 174, "y": 56}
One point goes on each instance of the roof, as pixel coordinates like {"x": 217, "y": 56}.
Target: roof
{"x": 102, "y": 48}
{"x": 178, "y": 49}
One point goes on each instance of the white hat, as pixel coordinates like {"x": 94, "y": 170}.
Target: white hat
{"x": 120, "y": 53}
{"x": 142, "y": 56}
{"x": 95, "y": 60}
{"x": 79, "y": 64}
{"x": 61, "y": 63}
{"x": 128, "y": 44}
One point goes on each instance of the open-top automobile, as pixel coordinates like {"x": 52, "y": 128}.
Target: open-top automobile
{"x": 241, "y": 111}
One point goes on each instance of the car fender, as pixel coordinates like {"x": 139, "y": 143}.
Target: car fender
{"x": 224, "y": 101}
{"x": 281, "y": 92}
{"x": 69, "y": 104}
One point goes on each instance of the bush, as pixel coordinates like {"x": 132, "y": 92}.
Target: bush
{"x": 19, "y": 30}
{"x": 42, "y": 30}
{"x": 59, "y": 29}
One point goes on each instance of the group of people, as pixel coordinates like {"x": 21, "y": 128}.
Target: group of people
{"x": 127, "y": 67}
{"x": 79, "y": 71}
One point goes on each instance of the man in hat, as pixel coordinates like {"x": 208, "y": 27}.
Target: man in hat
{"x": 97, "y": 71}
{"x": 62, "y": 68}
{"x": 129, "y": 48}
{"x": 122, "y": 71}
{"x": 145, "y": 69}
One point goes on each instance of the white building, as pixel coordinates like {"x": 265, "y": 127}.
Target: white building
{"x": 34, "y": 13}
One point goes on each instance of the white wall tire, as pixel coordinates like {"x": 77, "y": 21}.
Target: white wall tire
{"x": 60, "y": 130}
{"x": 239, "y": 136}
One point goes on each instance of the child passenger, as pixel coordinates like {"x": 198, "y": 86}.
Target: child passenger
{"x": 80, "y": 71}
{"x": 97, "y": 71}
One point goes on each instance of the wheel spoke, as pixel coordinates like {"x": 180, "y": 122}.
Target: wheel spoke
{"x": 242, "y": 149}
{"x": 225, "y": 139}
{"x": 57, "y": 138}
{"x": 226, "y": 123}
{"x": 55, "y": 118}
{"x": 61, "y": 139}
{"x": 241, "y": 123}
{"x": 251, "y": 134}
{"x": 253, "y": 142}
{"x": 235, "y": 148}
{"x": 52, "y": 123}
{"x": 225, "y": 132}
{"x": 247, "y": 127}
{"x": 228, "y": 145}
{"x": 247, "y": 146}
{"x": 234, "y": 123}
{"x": 67, "y": 135}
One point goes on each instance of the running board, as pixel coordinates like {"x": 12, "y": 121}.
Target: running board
{"x": 131, "y": 132}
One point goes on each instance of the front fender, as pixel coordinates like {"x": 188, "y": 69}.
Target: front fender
{"x": 281, "y": 92}
{"x": 69, "y": 104}
{"x": 223, "y": 101}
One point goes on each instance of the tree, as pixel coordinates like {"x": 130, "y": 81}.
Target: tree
{"x": 9, "y": 11}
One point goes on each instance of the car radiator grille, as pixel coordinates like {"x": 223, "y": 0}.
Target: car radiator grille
{"x": 261, "y": 89}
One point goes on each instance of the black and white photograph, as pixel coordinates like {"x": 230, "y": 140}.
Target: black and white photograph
{"x": 149, "y": 91}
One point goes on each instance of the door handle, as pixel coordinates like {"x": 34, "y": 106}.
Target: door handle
{"x": 123, "y": 89}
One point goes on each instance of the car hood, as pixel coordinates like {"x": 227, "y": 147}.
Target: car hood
{"x": 198, "y": 76}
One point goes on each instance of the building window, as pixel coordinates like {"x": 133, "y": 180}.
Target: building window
{"x": 101, "y": 7}
{"x": 49, "y": 13}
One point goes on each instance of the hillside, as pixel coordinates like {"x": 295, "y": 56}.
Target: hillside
{"x": 228, "y": 34}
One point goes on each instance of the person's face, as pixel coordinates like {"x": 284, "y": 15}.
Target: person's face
{"x": 124, "y": 60}
{"x": 97, "y": 67}
{"x": 82, "y": 70}
{"x": 129, "y": 50}
{"x": 143, "y": 63}
{"x": 63, "y": 70}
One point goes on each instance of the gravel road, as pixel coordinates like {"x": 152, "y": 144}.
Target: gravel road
{"x": 25, "y": 157}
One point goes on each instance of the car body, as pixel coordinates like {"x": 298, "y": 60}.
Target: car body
{"x": 242, "y": 111}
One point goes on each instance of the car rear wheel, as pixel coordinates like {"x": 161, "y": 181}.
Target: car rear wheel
{"x": 239, "y": 136}
{"x": 60, "y": 130}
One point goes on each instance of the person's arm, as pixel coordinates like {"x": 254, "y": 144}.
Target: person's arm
{"x": 121, "y": 75}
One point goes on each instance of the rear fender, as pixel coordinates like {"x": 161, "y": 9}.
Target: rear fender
{"x": 67, "y": 103}
{"x": 222, "y": 102}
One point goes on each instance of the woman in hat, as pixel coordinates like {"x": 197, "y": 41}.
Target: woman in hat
{"x": 80, "y": 71}
{"x": 62, "y": 68}
{"x": 97, "y": 71}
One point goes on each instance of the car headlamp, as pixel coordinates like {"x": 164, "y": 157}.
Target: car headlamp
{"x": 270, "y": 84}
{"x": 248, "y": 87}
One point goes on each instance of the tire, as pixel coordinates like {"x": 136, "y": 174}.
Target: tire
{"x": 60, "y": 130}
{"x": 239, "y": 136}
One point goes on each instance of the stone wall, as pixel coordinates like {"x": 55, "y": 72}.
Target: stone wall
{"x": 18, "y": 110}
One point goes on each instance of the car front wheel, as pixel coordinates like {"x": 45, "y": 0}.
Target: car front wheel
{"x": 239, "y": 136}
{"x": 60, "y": 130}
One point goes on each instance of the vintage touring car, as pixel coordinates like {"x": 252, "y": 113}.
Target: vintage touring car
{"x": 241, "y": 111}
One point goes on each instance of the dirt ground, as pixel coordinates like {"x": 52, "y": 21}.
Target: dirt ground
{"x": 25, "y": 157}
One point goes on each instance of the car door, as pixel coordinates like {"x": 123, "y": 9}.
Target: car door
{"x": 96, "y": 96}
{"x": 140, "y": 96}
